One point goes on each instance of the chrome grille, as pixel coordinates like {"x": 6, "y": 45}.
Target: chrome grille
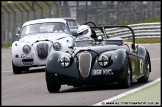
{"x": 42, "y": 50}
{"x": 85, "y": 60}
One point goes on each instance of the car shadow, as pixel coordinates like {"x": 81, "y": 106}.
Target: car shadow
{"x": 111, "y": 86}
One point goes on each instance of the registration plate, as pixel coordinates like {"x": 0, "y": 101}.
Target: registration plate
{"x": 102, "y": 72}
{"x": 27, "y": 55}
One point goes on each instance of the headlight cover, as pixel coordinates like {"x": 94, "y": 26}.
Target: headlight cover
{"x": 26, "y": 49}
{"x": 64, "y": 61}
{"x": 57, "y": 46}
{"x": 103, "y": 60}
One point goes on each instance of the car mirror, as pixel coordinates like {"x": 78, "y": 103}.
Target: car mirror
{"x": 18, "y": 32}
{"x": 100, "y": 38}
{"x": 17, "y": 35}
{"x": 71, "y": 45}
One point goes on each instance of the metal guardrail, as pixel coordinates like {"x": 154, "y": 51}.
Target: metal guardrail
{"x": 142, "y": 30}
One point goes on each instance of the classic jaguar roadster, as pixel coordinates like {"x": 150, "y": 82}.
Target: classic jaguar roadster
{"x": 105, "y": 60}
{"x": 38, "y": 39}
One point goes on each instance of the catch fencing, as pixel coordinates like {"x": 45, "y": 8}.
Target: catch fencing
{"x": 13, "y": 15}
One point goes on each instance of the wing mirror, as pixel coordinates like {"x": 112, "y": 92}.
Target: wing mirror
{"x": 100, "y": 38}
{"x": 17, "y": 35}
{"x": 18, "y": 32}
{"x": 71, "y": 45}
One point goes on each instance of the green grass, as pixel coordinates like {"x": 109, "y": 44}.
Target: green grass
{"x": 146, "y": 40}
{"x": 144, "y": 21}
{"x": 6, "y": 45}
{"x": 149, "y": 96}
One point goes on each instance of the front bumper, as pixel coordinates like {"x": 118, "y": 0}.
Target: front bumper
{"x": 90, "y": 80}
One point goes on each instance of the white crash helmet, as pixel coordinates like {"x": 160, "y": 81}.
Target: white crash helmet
{"x": 84, "y": 31}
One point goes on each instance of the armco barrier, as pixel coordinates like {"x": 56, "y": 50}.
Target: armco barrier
{"x": 142, "y": 30}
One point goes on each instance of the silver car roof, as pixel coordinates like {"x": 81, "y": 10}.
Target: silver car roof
{"x": 44, "y": 20}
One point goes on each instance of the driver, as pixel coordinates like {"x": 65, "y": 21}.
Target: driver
{"x": 84, "y": 32}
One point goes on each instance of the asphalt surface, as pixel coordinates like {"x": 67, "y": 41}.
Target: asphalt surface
{"x": 30, "y": 88}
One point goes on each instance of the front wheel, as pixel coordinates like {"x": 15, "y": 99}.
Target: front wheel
{"x": 53, "y": 88}
{"x": 16, "y": 70}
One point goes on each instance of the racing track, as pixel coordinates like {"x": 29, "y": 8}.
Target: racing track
{"x": 30, "y": 88}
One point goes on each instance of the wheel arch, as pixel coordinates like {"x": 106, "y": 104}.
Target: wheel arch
{"x": 144, "y": 53}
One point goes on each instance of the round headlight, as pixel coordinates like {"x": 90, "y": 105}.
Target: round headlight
{"x": 103, "y": 60}
{"x": 64, "y": 61}
{"x": 57, "y": 46}
{"x": 26, "y": 49}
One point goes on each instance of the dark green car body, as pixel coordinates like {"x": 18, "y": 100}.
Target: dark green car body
{"x": 106, "y": 61}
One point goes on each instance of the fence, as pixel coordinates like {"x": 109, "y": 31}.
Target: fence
{"x": 13, "y": 15}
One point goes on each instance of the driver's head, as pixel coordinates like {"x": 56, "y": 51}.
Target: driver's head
{"x": 84, "y": 31}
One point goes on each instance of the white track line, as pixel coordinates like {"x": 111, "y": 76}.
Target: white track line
{"x": 128, "y": 92}
{"x": 155, "y": 59}
{"x": 7, "y": 71}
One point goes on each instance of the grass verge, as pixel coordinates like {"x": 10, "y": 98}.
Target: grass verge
{"x": 145, "y": 40}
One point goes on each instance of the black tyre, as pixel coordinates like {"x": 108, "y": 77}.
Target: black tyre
{"x": 54, "y": 88}
{"x": 16, "y": 70}
{"x": 145, "y": 78}
{"x": 53, "y": 84}
{"x": 126, "y": 81}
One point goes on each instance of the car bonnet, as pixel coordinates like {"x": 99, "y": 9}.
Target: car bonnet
{"x": 40, "y": 37}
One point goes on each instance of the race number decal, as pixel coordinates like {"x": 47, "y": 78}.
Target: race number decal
{"x": 133, "y": 67}
{"x": 141, "y": 66}
{"x": 27, "y": 55}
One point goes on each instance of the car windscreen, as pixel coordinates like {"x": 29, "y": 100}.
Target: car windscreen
{"x": 72, "y": 23}
{"x": 48, "y": 27}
